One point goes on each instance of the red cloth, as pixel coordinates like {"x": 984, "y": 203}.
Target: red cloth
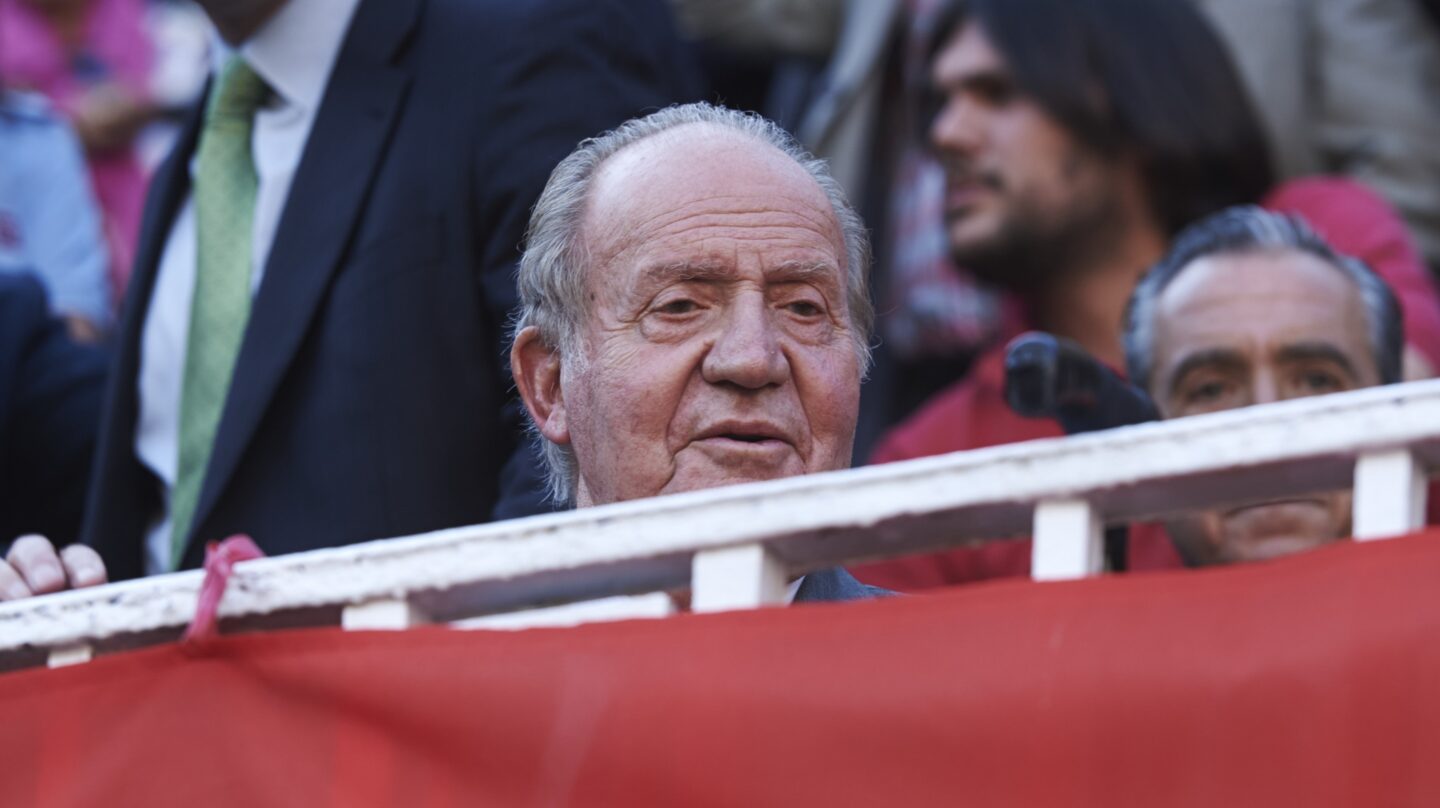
{"x": 220, "y": 560}
{"x": 1357, "y": 221}
{"x": 1307, "y": 681}
{"x": 972, "y": 413}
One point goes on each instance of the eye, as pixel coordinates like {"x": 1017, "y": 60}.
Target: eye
{"x": 993, "y": 91}
{"x": 804, "y": 308}
{"x": 1318, "y": 381}
{"x": 678, "y": 306}
{"x": 1206, "y": 392}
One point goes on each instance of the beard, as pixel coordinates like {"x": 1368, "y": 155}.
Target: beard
{"x": 1038, "y": 240}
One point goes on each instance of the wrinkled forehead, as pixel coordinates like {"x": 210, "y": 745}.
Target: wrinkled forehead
{"x": 1262, "y": 276}
{"x": 1264, "y": 296}
{"x": 698, "y": 176}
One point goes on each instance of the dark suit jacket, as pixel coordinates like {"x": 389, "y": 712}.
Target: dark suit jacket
{"x": 50, "y": 392}
{"x": 371, "y": 396}
{"x": 836, "y": 584}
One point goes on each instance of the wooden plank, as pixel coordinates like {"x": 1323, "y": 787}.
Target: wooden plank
{"x": 1270, "y": 451}
{"x": 743, "y": 577}
{"x": 70, "y": 655}
{"x": 604, "y": 610}
{"x": 385, "y": 614}
{"x": 1390, "y": 489}
{"x": 1068, "y": 541}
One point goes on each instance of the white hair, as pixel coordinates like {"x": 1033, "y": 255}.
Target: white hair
{"x": 1251, "y": 229}
{"x": 551, "y": 280}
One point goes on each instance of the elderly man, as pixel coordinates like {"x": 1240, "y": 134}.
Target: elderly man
{"x": 694, "y": 313}
{"x": 1250, "y": 307}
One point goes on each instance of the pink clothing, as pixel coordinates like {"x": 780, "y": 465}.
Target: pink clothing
{"x": 1358, "y": 221}
{"x": 115, "y": 48}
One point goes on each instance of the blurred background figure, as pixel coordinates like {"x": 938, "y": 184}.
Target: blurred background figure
{"x": 92, "y": 59}
{"x": 1251, "y": 307}
{"x": 50, "y": 390}
{"x": 1077, "y": 138}
{"x": 1348, "y": 88}
{"x": 50, "y": 225}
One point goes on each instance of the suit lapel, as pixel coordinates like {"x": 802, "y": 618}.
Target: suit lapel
{"x": 345, "y": 147}
{"x": 170, "y": 186}
{"x": 121, "y": 494}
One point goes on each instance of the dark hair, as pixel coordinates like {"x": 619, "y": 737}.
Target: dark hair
{"x": 1246, "y": 229}
{"x": 1167, "y": 92}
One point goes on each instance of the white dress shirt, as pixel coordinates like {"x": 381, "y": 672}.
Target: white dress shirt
{"x": 294, "y": 53}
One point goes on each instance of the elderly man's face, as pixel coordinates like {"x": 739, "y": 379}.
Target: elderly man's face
{"x": 1252, "y": 328}
{"x": 718, "y": 346}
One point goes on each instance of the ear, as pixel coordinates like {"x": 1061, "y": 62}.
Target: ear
{"x": 536, "y": 368}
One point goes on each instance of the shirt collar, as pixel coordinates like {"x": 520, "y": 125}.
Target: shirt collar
{"x": 295, "y": 50}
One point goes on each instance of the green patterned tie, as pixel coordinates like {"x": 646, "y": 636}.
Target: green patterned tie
{"x": 224, "y": 210}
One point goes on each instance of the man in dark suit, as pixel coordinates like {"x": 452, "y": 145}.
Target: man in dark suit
{"x": 311, "y": 349}
{"x": 50, "y": 390}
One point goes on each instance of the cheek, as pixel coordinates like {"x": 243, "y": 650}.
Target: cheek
{"x": 1201, "y": 534}
{"x": 625, "y": 404}
{"x": 829, "y": 388}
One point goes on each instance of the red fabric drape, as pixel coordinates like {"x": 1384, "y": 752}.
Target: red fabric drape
{"x": 1312, "y": 681}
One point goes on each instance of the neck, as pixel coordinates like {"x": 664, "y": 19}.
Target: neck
{"x": 1086, "y": 303}
{"x": 238, "y": 20}
{"x": 67, "y": 20}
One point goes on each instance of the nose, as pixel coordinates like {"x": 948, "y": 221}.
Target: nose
{"x": 959, "y": 127}
{"x": 1264, "y": 389}
{"x": 747, "y": 350}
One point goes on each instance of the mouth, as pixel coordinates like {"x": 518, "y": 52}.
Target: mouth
{"x": 743, "y": 434}
{"x": 1274, "y": 503}
{"x": 964, "y": 193}
{"x": 745, "y": 438}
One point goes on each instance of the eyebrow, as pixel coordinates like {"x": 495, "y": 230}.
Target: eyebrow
{"x": 1294, "y": 352}
{"x": 817, "y": 272}
{"x": 984, "y": 81}
{"x": 1226, "y": 357}
{"x": 660, "y": 274}
{"x": 1307, "y": 351}
{"x": 789, "y": 272}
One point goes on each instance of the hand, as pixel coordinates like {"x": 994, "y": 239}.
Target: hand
{"x": 34, "y": 568}
{"x": 82, "y": 329}
{"x": 108, "y": 116}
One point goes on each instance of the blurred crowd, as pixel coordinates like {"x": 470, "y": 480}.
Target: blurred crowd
{"x": 258, "y": 259}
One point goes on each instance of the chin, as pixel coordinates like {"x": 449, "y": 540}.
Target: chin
{"x": 701, "y": 482}
{"x": 970, "y": 235}
{"x": 1264, "y": 548}
{"x": 1258, "y": 534}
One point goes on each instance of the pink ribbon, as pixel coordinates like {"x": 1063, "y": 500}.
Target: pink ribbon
{"x": 220, "y": 560}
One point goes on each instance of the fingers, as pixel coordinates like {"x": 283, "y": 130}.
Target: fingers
{"x": 34, "y": 568}
{"x": 34, "y": 558}
{"x": 12, "y": 586}
{"x": 82, "y": 566}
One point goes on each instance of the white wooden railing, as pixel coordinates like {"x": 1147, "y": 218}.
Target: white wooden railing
{"x": 736, "y": 547}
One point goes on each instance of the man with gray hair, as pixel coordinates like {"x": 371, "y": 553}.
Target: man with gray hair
{"x": 1250, "y": 307}
{"x": 694, "y": 313}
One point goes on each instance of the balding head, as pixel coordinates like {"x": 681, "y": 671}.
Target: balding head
{"x": 724, "y": 212}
